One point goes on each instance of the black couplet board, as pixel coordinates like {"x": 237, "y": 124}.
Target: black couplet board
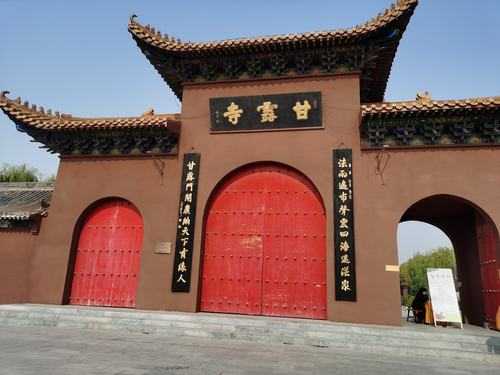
{"x": 181, "y": 279}
{"x": 343, "y": 203}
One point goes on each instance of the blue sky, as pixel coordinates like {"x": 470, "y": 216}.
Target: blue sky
{"x": 77, "y": 56}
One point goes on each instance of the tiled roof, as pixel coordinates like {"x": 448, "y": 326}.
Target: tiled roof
{"x": 424, "y": 104}
{"x": 20, "y": 201}
{"x": 179, "y": 61}
{"x": 39, "y": 118}
{"x": 322, "y": 38}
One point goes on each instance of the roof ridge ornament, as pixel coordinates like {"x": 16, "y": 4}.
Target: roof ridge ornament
{"x": 26, "y": 106}
{"x": 424, "y": 97}
{"x": 150, "y": 112}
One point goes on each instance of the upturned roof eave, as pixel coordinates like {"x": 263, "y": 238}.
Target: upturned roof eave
{"x": 151, "y": 37}
{"x": 37, "y": 118}
{"x": 156, "y": 47}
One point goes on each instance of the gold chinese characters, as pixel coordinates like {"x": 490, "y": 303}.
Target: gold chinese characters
{"x": 344, "y": 226}
{"x": 267, "y": 110}
{"x": 185, "y": 225}
{"x": 233, "y": 113}
{"x": 302, "y": 110}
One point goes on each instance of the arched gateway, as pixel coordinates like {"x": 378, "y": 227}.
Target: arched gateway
{"x": 477, "y": 250}
{"x": 265, "y": 245}
{"x": 107, "y": 255}
{"x": 317, "y": 97}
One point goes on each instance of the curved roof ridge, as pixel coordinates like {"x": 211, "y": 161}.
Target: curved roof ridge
{"x": 26, "y": 185}
{"x": 150, "y": 35}
{"x": 425, "y": 103}
{"x": 37, "y": 117}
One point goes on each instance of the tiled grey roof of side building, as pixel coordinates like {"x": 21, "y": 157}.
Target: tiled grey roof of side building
{"x": 22, "y": 200}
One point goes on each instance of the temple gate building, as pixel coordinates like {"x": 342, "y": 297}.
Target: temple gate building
{"x": 276, "y": 191}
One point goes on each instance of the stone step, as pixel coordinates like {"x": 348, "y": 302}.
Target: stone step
{"x": 18, "y": 310}
{"x": 463, "y": 344}
{"x": 232, "y": 320}
{"x": 297, "y": 334}
{"x": 217, "y": 321}
{"x": 206, "y": 320}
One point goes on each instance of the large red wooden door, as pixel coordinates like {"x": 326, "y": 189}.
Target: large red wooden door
{"x": 265, "y": 246}
{"x": 108, "y": 256}
{"x": 490, "y": 274}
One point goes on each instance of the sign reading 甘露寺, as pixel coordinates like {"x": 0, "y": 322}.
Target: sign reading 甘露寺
{"x": 345, "y": 265}
{"x": 181, "y": 280}
{"x": 266, "y": 112}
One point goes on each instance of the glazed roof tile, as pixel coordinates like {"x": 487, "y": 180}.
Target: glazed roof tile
{"x": 424, "y": 104}
{"x": 39, "y": 118}
{"x": 155, "y": 38}
{"x": 383, "y": 32}
{"x": 22, "y": 200}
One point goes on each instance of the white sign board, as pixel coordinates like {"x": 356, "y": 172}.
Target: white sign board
{"x": 443, "y": 296}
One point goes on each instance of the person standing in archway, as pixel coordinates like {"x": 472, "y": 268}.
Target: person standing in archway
{"x": 418, "y": 305}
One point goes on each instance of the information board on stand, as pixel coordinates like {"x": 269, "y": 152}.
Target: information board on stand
{"x": 443, "y": 296}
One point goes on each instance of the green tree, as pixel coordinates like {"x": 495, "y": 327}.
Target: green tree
{"x": 413, "y": 272}
{"x": 18, "y": 173}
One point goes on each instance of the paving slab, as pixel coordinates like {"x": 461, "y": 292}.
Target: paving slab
{"x": 427, "y": 342}
{"x": 58, "y": 351}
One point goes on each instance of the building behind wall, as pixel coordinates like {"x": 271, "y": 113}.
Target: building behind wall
{"x": 22, "y": 209}
{"x": 276, "y": 191}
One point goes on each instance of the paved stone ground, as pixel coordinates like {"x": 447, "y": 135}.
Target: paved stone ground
{"x": 55, "y": 351}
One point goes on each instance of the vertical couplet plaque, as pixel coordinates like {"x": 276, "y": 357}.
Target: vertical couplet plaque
{"x": 343, "y": 203}
{"x": 181, "y": 279}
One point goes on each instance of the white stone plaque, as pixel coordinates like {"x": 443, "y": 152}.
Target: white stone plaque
{"x": 163, "y": 248}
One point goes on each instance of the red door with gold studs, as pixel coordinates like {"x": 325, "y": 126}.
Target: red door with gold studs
{"x": 265, "y": 246}
{"x": 490, "y": 273}
{"x": 108, "y": 256}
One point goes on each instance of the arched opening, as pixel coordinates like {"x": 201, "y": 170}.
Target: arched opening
{"x": 475, "y": 241}
{"x": 265, "y": 245}
{"x": 415, "y": 237}
{"x": 106, "y": 256}
{"x": 421, "y": 246}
